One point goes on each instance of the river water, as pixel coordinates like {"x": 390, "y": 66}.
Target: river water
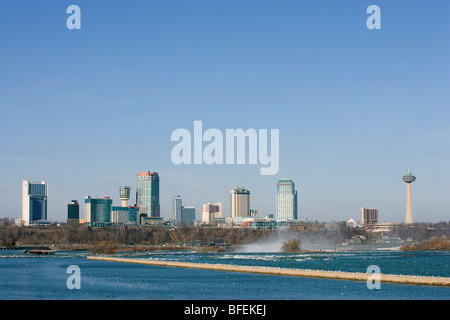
{"x": 31, "y": 277}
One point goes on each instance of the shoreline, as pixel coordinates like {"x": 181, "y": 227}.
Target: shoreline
{"x": 337, "y": 275}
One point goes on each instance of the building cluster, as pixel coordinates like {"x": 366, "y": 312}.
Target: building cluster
{"x": 97, "y": 211}
{"x": 100, "y": 212}
{"x": 146, "y": 210}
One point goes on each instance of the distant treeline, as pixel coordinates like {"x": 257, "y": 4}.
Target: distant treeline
{"x": 82, "y": 235}
{"x": 437, "y": 243}
{"x": 421, "y": 231}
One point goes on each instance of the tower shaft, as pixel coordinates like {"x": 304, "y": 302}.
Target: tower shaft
{"x": 409, "y": 218}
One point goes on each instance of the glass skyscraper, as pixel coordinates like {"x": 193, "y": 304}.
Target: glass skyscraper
{"x": 286, "y": 200}
{"x": 34, "y": 202}
{"x": 147, "y": 194}
{"x": 73, "y": 213}
{"x": 97, "y": 211}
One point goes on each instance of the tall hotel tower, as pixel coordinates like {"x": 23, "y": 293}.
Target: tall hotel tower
{"x": 147, "y": 194}
{"x": 408, "y": 178}
{"x": 239, "y": 202}
{"x": 369, "y": 216}
{"x": 34, "y": 202}
{"x": 177, "y": 205}
{"x": 286, "y": 200}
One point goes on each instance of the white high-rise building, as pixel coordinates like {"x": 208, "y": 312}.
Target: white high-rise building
{"x": 34, "y": 202}
{"x": 239, "y": 202}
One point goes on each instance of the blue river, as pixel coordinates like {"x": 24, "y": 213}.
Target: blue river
{"x": 35, "y": 277}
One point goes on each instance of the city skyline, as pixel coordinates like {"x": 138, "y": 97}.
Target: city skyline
{"x": 286, "y": 204}
{"x": 85, "y": 110}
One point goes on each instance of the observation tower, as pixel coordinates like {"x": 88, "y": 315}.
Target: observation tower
{"x": 124, "y": 194}
{"x": 408, "y": 178}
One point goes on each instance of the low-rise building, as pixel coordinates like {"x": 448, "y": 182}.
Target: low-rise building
{"x": 124, "y": 215}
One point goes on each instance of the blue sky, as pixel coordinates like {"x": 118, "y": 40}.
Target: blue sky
{"x": 86, "y": 110}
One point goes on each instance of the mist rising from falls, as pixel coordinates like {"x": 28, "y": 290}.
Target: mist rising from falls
{"x": 274, "y": 243}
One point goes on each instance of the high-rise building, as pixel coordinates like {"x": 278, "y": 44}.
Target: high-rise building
{"x": 73, "y": 213}
{"x": 97, "y": 212}
{"x": 211, "y": 211}
{"x": 239, "y": 202}
{"x": 408, "y": 178}
{"x": 369, "y": 216}
{"x": 182, "y": 215}
{"x": 176, "y": 209}
{"x": 286, "y": 200}
{"x": 187, "y": 215}
{"x": 34, "y": 202}
{"x": 147, "y": 194}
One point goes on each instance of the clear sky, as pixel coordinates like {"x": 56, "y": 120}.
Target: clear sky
{"x": 86, "y": 110}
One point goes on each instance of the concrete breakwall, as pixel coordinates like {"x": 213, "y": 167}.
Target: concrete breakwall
{"x": 339, "y": 275}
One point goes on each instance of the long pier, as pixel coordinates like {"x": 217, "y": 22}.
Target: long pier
{"x": 339, "y": 275}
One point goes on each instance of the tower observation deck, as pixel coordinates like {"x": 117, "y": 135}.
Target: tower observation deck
{"x": 124, "y": 194}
